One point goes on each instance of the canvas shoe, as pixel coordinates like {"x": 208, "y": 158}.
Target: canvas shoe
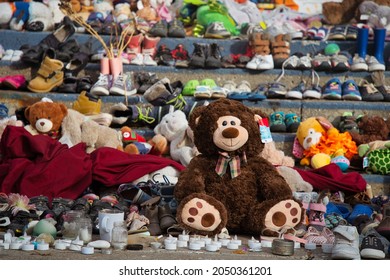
{"x": 374, "y": 64}
{"x": 314, "y": 91}
{"x": 297, "y": 91}
{"x": 292, "y": 62}
{"x": 321, "y": 62}
{"x": 305, "y": 62}
{"x": 341, "y": 61}
{"x": 346, "y": 243}
{"x": 123, "y": 85}
{"x": 277, "y": 123}
{"x": 332, "y": 89}
{"x": 216, "y": 30}
{"x": 359, "y": 63}
{"x": 372, "y": 248}
{"x": 102, "y": 86}
{"x": 350, "y": 91}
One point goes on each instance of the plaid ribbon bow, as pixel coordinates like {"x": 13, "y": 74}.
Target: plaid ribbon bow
{"x": 234, "y": 163}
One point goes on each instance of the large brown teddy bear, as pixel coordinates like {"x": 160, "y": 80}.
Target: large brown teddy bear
{"x": 345, "y": 12}
{"x": 229, "y": 184}
{"x": 45, "y": 117}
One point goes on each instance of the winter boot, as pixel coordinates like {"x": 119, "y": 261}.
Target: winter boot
{"x": 134, "y": 45}
{"x": 149, "y": 49}
{"x": 49, "y": 76}
{"x": 198, "y": 57}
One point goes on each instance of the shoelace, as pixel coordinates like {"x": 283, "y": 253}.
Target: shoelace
{"x": 178, "y": 102}
{"x": 198, "y": 50}
{"x": 103, "y": 79}
{"x": 145, "y": 117}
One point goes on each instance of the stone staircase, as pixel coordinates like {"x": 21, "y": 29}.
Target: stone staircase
{"x": 304, "y": 108}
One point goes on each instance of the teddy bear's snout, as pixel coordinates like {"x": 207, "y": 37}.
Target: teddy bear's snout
{"x": 308, "y": 140}
{"x": 42, "y": 124}
{"x": 230, "y": 132}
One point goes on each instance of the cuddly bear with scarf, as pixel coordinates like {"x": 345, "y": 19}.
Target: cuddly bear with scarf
{"x": 229, "y": 184}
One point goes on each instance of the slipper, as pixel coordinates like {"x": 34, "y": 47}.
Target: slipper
{"x": 190, "y": 87}
{"x": 259, "y": 93}
{"x": 242, "y": 91}
{"x": 218, "y": 92}
{"x": 229, "y": 86}
{"x": 8, "y": 55}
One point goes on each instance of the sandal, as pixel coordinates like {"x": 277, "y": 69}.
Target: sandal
{"x": 319, "y": 238}
{"x": 242, "y": 91}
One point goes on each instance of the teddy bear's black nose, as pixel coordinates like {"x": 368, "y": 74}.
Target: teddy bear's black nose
{"x": 230, "y": 132}
{"x": 42, "y": 123}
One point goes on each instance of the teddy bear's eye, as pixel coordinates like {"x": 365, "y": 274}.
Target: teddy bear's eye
{"x": 233, "y": 123}
{"x": 224, "y": 123}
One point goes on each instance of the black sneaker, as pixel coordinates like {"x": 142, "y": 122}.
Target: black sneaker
{"x": 160, "y": 29}
{"x": 164, "y": 56}
{"x": 214, "y": 56}
{"x": 198, "y": 58}
{"x": 81, "y": 204}
{"x": 20, "y": 221}
{"x": 176, "y": 29}
{"x": 372, "y": 248}
{"x": 61, "y": 205}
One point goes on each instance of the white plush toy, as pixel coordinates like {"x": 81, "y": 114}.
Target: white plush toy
{"x": 18, "y": 14}
{"x": 174, "y": 127}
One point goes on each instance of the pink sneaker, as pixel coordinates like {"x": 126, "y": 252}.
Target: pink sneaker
{"x": 14, "y": 82}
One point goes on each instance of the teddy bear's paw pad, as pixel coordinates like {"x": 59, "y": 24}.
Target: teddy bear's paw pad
{"x": 200, "y": 215}
{"x": 283, "y": 215}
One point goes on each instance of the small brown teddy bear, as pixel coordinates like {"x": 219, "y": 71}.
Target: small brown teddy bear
{"x": 229, "y": 184}
{"x": 345, "y": 12}
{"x": 45, "y": 117}
{"x": 371, "y": 128}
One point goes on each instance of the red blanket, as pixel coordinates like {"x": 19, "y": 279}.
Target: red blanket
{"x": 39, "y": 165}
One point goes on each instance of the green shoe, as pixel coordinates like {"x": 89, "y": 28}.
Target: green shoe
{"x": 292, "y": 122}
{"x": 277, "y": 123}
{"x": 190, "y": 87}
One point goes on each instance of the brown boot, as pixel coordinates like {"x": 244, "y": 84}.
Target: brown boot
{"x": 151, "y": 212}
{"x": 280, "y": 46}
{"x": 166, "y": 217}
{"x": 49, "y": 76}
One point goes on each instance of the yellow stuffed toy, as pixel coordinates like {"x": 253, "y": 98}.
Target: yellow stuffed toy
{"x": 318, "y": 143}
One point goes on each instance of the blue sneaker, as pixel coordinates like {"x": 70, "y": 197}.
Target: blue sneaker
{"x": 350, "y": 91}
{"x": 360, "y": 209}
{"x": 332, "y": 89}
{"x": 292, "y": 121}
{"x": 3, "y": 111}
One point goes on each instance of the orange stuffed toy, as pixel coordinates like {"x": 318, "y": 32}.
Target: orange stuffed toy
{"x": 318, "y": 143}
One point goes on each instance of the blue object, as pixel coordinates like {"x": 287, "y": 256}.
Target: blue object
{"x": 360, "y": 209}
{"x": 332, "y": 89}
{"x": 342, "y": 209}
{"x": 350, "y": 91}
{"x": 3, "y": 111}
{"x": 362, "y": 41}
{"x": 379, "y": 44}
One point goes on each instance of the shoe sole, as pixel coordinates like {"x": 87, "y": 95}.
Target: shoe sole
{"x": 100, "y": 91}
{"x": 117, "y": 91}
{"x": 368, "y": 253}
{"x": 46, "y": 89}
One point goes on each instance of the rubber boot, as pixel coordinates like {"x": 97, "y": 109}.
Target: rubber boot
{"x": 105, "y": 66}
{"x": 149, "y": 45}
{"x": 379, "y": 44}
{"x": 362, "y": 41}
{"x": 134, "y": 45}
{"x": 116, "y": 67}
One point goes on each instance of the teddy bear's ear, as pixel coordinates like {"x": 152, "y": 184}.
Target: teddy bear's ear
{"x": 27, "y": 113}
{"x": 324, "y": 123}
{"x": 194, "y": 118}
{"x": 64, "y": 109}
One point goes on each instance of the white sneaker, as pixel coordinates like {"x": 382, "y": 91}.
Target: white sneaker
{"x": 346, "y": 244}
{"x": 359, "y": 63}
{"x": 375, "y": 65}
{"x": 261, "y": 62}
{"x": 138, "y": 59}
{"x": 148, "y": 60}
{"x": 102, "y": 86}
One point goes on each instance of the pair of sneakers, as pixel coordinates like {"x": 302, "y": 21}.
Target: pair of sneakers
{"x": 281, "y": 122}
{"x": 107, "y": 85}
{"x": 334, "y": 89}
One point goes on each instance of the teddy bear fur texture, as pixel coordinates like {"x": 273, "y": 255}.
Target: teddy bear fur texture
{"x": 258, "y": 199}
{"x": 45, "y": 117}
{"x": 371, "y": 128}
{"x": 345, "y": 12}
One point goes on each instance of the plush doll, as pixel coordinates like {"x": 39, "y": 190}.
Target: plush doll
{"x": 229, "y": 184}
{"x": 77, "y": 128}
{"x": 4, "y": 122}
{"x": 147, "y": 12}
{"x": 364, "y": 149}
{"x": 294, "y": 179}
{"x": 347, "y": 11}
{"x": 275, "y": 156}
{"x": 371, "y": 128}
{"x": 45, "y": 117}
{"x": 122, "y": 12}
{"x": 377, "y": 156}
{"x": 318, "y": 143}
{"x": 135, "y": 144}
{"x": 173, "y": 127}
